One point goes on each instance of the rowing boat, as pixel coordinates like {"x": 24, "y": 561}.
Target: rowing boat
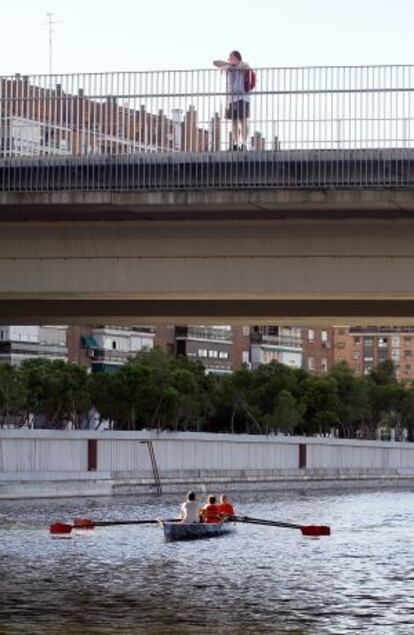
{"x": 174, "y": 531}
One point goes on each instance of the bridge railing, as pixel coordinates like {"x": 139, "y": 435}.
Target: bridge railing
{"x": 296, "y": 115}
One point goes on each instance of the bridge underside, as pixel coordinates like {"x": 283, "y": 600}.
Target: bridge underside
{"x": 224, "y": 311}
{"x": 218, "y": 257}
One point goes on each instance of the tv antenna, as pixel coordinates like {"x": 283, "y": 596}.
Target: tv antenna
{"x": 50, "y": 24}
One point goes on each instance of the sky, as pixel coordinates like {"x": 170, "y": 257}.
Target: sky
{"x": 136, "y": 35}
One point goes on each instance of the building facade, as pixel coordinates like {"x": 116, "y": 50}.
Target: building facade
{"x": 318, "y": 349}
{"x": 211, "y": 345}
{"x": 105, "y": 348}
{"x": 362, "y": 348}
{"x": 276, "y": 343}
{"x": 19, "y": 343}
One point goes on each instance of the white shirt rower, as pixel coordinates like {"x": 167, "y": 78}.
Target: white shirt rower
{"x": 190, "y": 510}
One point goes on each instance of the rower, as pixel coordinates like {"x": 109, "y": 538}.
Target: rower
{"x": 190, "y": 510}
{"x": 211, "y": 512}
{"x": 225, "y": 507}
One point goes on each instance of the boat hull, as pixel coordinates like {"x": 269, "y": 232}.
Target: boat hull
{"x": 181, "y": 531}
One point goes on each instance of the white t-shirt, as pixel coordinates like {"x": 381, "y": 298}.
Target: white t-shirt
{"x": 190, "y": 512}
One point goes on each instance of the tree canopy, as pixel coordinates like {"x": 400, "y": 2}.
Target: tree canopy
{"x": 154, "y": 390}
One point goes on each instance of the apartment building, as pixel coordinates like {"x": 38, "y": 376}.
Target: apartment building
{"x": 104, "y": 348}
{"x": 318, "y": 349}
{"x": 276, "y": 343}
{"x": 19, "y": 343}
{"x": 363, "y": 347}
{"x": 39, "y": 119}
{"x": 51, "y": 115}
{"x": 211, "y": 345}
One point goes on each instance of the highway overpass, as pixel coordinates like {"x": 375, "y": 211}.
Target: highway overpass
{"x": 229, "y": 255}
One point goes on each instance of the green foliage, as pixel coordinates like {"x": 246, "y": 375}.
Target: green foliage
{"x": 54, "y": 390}
{"x": 384, "y": 373}
{"x": 157, "y": 391}
{"x": 321, "y": 404}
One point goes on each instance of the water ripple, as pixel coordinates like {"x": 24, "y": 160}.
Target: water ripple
{"x": 261, "y": 580}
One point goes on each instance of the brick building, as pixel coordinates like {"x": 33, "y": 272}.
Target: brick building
{"x": 363, "y": 347}
{"x": 318, "y": 349}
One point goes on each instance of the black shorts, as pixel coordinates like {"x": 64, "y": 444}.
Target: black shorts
{"x": 238, "y": 110}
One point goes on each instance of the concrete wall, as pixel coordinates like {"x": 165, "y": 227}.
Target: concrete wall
{"x": 49, "y": 463}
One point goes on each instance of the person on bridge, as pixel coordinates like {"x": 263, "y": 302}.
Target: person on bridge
{"x": 238, "y": 98}
{"x": 190, "y": 510}
{"x": 211, "y": 512}
{"x": 225, "y": 507}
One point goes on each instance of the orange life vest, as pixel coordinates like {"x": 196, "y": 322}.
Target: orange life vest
{"x": 211, "y": 513}
{"x": 226, "y": 509}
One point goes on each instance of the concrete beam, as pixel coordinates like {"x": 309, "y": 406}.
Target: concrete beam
{"x": 290, "y": 269}
{"x": 120, "y": 311}
{"x": 238, "y": 204}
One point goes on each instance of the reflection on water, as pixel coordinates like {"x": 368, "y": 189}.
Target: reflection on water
{"x": 127, "y": 580}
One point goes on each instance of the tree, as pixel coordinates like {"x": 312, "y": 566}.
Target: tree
{"x": 285, "y": 415}
{"x": 354, "y": 404}
{"x": 235, "y": 395}
{"x": 321, "y": 404}
{"x": 384, "y": 373}
{"x": 56, "y": 390}
{"x": 12, "y": 395}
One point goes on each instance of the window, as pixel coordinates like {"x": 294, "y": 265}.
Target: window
{"x": 357, "y": 341}
{"x": 224, "y": 355}
{"x": 245, "y": 357}
{"x": 407, "y": 341}
{"x": 407, "y": 368}
{"x": 341, "y": 331}
{"x": 246, "y": 331}
{"x": 340, "y": 345}
{"x": 324, "y": 364}
{"x": 113, "y": 344}
{"x": 408, "y": 354}
{"x": 356, "y": 368}
{"x": 311, "y": 363}
{"x": 213, "y": 354}
{"x": 2, "y": 335}
{"x": 368, "y": 342}
{"x": 311, "y": 335}
{"x": 202, "y": 352}
{"x": 355, "y": 355}
{"x": 324, "y": 336}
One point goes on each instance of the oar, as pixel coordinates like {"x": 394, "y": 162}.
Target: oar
{"x": 307, "y": 530}
{"x": 87, "y": 523}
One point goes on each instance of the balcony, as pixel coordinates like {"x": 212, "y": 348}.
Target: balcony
{"x": 277, "y": 341}
{"x": 206, "y": 333}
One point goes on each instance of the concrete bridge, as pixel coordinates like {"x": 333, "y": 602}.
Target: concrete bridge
{"x": 128, "y": 207}
{"x": 233, "y": 254}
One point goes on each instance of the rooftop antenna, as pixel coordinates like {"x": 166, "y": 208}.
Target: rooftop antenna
{"x": 51, "y": 23}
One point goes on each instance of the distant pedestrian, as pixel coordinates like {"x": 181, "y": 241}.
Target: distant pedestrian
{"x": 240, "y": 81}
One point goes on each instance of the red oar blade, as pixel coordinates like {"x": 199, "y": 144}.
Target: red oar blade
{"x": 60, "y": 529}
{"x": 83, "y": 523}
{"x": 316, "y": 530}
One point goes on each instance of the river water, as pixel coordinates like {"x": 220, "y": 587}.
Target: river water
{"x": 127, "y": 580}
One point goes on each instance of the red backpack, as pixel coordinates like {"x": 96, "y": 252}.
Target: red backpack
{"x": 249, "y": 80}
